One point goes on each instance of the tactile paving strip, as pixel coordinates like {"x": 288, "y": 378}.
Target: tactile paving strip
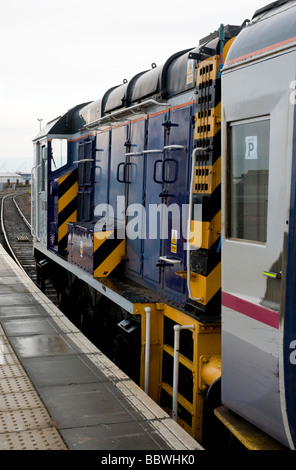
{"x": 15, "y": 384}
{"x": 20, "y": 400}
{"x": 41, "y": 439}
{"x": 11, "y": 370}
{"x": 24, "y": 422}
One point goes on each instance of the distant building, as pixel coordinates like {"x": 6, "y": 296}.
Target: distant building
{"x": 26, "y": 177}
{"x": 7, "y": 179}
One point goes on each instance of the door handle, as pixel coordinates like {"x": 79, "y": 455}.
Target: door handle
{"x": 175, "y": 147}
{"x": 118, "y": 169}
{"x": 168, "y": 161}
{"x": 155, "y": 170}
{"x": 273, "y": 275}
{"x": 166, "y": 259}
{"x": 165, "y": 164}
{"x": 125, "y": 174}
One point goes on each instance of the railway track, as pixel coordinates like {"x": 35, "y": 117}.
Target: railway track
{"x": 16, "y": 234}
{"x": 16, "y": 229}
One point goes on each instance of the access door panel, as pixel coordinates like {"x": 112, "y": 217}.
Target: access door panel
{"x": 153, "y": 189}
{"x": 117, "y": 174}
{"x": 134, "y": 172}
{"x": 175, "y": 194}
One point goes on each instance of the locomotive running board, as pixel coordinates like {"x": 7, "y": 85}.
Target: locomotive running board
{"x": 101, "y": 287}
{"x": 250, "y": 436}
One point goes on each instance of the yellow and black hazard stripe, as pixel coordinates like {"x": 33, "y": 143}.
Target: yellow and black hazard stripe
{"x": 108, "y": 252}
{"x": 67, "y": 206}
{"x": 205, "y": 259}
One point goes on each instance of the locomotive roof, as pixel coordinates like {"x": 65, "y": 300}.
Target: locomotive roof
{"x": 272, "y": 27}
{"x": 159, "y": 82}
{"x": 152, "y": 82}
{"x": 66, "y": 124}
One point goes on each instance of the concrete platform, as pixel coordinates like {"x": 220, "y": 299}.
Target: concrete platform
{"x": 59, "y": 392}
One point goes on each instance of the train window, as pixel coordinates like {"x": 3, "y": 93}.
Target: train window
{"x": 59, "y": 153}
{"x": 248, "y": 179}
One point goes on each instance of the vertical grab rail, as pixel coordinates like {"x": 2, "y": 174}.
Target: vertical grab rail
{"x": 147, "y": 348}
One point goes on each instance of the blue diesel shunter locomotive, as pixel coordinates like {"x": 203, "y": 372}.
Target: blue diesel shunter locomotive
{"x": 163, "y": 212}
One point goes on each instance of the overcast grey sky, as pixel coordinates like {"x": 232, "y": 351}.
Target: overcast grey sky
{"x": 59, "y": 53}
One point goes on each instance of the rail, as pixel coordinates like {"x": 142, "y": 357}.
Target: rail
{"x": 22, "y": 214}
{"x": 4, "y": 231}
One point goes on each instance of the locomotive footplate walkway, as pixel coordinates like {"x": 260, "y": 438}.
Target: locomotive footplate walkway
{"x": 58, "y": 391}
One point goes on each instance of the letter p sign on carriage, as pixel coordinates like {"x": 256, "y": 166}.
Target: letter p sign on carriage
{"x": 251, "y": 148}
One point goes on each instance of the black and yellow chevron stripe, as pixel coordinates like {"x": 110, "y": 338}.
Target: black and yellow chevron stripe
{"x": 205, "y": 260}
{"x": 67, "y": 206}
{"x": 108, "y": 252}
